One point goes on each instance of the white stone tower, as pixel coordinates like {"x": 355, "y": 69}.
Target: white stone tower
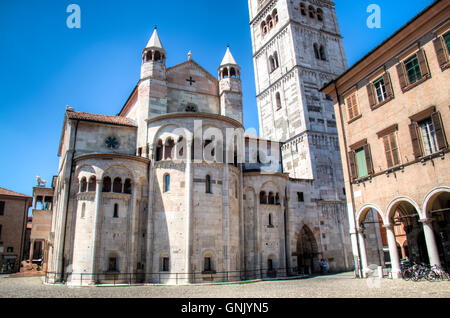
{"x": 230, "y": 88}
{"x": 152, "y": 89}
{"x": 297, "y": 48}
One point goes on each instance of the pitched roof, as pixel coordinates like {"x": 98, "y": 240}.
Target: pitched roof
{"x": 113, "y": 120}
{"x": 155, "y": 42}
{"x": 228, "y": 59}
{"x": 4, "y": 191}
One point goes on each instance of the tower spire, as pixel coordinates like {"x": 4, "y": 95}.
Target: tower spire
{"x": 155, "y": 42}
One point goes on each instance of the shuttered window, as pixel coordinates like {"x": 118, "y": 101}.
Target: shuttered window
{"x": 352, "y": 106}
{"x": 447, "y": 42}
{"x": 380, "y": 89}
{"x": 413, "y": 69}
{"x": 391, "y": 149}
{"x": 361, "y": 163}
{"x": 428, "y": 136}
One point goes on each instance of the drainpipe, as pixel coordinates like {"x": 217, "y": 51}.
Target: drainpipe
{"x": 68, "y": 200}
{"x": 350, "y": 177}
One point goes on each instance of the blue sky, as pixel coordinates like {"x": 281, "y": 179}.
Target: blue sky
{"x": 45, "y": 66}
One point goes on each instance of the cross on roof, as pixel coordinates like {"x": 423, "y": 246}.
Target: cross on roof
{"x": 190, "y": 80}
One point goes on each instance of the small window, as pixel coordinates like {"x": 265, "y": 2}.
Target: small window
{"x": 167, "y": 183}
{"x": 302, "y": 9}
{"x": 391, "y": 150}
{"x": 83, "y": 211}
{"x": 83, "y": 185}
{"x": 10, "y": 250}
{"x": 117, "y": 187}
{"x": 312, "y": 12}
{"x": 264, "y": 28}
{"x": 316, "y": 51}
{"x": 92, "y": 184}
{"x": 278, "y": 100}
{"x": 413, "y": 69}
{"x": 106, "y": 184}
{"x": 352, "y": 107}
{"x": 116, "y": 211}
{"x": 2, "y": 207}
{"x": 320, "y": 15}
{"x": 300, "y": 197}
{"x": 270, "y": 264}
{"x": 208, "y": 184}
{"x": 127, "y": 186}
{"x": 263, "y": 197}
{"x": 323, "y": 56}
{"x": 275, "y": 16}
{"x": 270, "y": 220}
{"x": 380, "y": 89}
{"x": 428, "y": 137}
{"x": 159, "y": 150}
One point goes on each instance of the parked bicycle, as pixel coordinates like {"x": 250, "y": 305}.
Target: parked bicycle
{"x": 416, "y": 272}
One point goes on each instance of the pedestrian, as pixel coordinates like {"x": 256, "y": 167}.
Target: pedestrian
{"x": 321, "y": 264}
{"x": 325, "y": 267}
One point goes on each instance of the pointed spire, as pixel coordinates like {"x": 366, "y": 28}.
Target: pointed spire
{"x": 228, "y": 58}
{"x": 155, "y": 42}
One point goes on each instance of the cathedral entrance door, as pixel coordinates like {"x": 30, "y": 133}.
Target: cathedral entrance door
{"x": 307, "y": 252}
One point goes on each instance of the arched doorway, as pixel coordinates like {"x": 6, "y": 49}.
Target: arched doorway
{"x": 375, "y": 239}
{"x": 307, "y": 252}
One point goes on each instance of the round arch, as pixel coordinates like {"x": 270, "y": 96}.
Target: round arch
{"x": 392, "y": 207}
{"x": 430, "y": 197}
{"x": 361, "y": 215}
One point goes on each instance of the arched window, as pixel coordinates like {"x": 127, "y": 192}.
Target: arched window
{"x": 264, "y": 28}
{"x": 270, "y": 220}
{"x": 303, "y": 9}
{"x": 232, "y": 72}
{"x": 323, "y": 57}
{"x": 116, "y": 211}
{"x": 166, "y": 183}
{"x": 106, "y": 184}
{"x": 117, "y": 186}
{"x": 208, "y": 265}
{"x": 208, "y": 184}
{"x": 83, "y": 184}
{"x": 92, "y": 184}
{"x": 157, "y": 56}
{"x": 263, "y": 197}
{"x": 316, "y": 51}
{"x": 225, "y": 73}
{"x": 169, "y": 147}
{"x": 320, "y": 15}
{"x": 127, "y": 186}
{"x": 269, "y": 22}
{"x": 83, "y": 211}
{"x": 271, "y": 198}
{"x": 277, "y": 199}
{"x": 272, "y": 64}
{"x": 159, "y": 150}
{"x": 278, "y": 100}
{"x": 275, "y": 16}
{"x": 275, "y": 57}
{"x": 312, "y": 12}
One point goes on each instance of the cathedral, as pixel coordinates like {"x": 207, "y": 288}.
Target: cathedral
{"x": 171, "y": 190}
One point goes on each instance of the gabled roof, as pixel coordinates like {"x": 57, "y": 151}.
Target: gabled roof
{"x": 7, "y": 192}
{"x": 113, "y": 120}
{"x": 196, "y": 65}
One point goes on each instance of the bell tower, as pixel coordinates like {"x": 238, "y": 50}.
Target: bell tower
{"x": 297, "y": 49}
{"x": 230, "y": 88}
{"x": 152, "y": 88}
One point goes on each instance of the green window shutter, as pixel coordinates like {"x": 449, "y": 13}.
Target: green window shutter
{"x": 388, "y": 85}
{"x": 369, "y": 163}
{"x": 361, "y": 163}
{"x": 417, "y": 149}
{"x": 402, "y": 75}
{"x": 440, "y": 52}
{"x": 371, "y": 94}
{"x": 421, "y": 57}
{"x": 394, "y": 149}
{"x": 352, "y": 161}
{"x": 439, "y": 130}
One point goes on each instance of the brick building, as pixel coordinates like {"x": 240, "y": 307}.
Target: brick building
{"x": 393, "y": 115}
{"x": 13, "y": 222}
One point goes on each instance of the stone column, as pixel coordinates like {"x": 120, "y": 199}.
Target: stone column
{"x": 362, "y": 249}
{"x": 95, "y": 231}
{"x": 432, "y": 249}
{"x": 31, "y": 251}
{"x": 149, "y": 230}
{"x": 134, "y": 237}
{"x": 281, "y": 232}
{"x": 393, "y": 252}
{"x": 188, "y": 194}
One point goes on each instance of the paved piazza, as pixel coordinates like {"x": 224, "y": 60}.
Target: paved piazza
{"x": 333, "y": 286}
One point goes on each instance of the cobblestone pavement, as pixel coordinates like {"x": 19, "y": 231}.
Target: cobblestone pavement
{"x": 333, "y": 286}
